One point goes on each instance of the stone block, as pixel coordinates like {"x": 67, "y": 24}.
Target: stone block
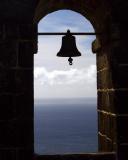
{"x": 11, "y": 31}
{"x": 106, "y": 101}
{"x": 8, "y": 53}
{"x": 113, "y": 101}
{"x": 104, "y": 79}
{"x": 25, "y": 154}
{"x": 102, "y": 60}
{"x": 107, "y": 126}
{"x": 103, "y": 144}
{"x": 122, "y": 131}
{"x": 120, "y": 77}
{"x": 22, "y": 81}
{"x": 100, "y": 122}
{"x": 28, "y": 31}
{"x": 103, "y": 101}
{"x": 112, "y": 130}
{"x": 1, "y": 32}
{"x": 8, "y": 154}
{"x": 100, "y": 143}
{"x": 4, "y": 139}
{"x": 16, "y": 81}
{"x": 109, "y": 146}
{"x": 14, "y": 106}
{"x": 6, "y": 80}
{"x": 122, "y": 153}
{"x": 112, "y": 108}
{"x": 25, "y": 56}
{"x": 16, "y": 133}
{"x": 6, "y": 107}
{"x": 22, "y": 133}
{"x": 121, "y": 101}
{"x": 24, "y": 106}
{"x": 119, "y": 54}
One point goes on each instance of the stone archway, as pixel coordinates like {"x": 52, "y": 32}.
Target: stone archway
{"x": 91, "y": 11}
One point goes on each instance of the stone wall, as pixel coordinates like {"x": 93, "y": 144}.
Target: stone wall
{"x": 16, "y": 91}
{"x": 18, "y": 43}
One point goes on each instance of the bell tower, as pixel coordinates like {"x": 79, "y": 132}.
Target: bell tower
{"x": 18, "y": 43}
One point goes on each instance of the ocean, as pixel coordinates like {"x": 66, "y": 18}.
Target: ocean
{"x": 65, "y": 126}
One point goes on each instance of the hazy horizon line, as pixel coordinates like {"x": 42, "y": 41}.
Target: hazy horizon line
{"x": 52, "y": 98}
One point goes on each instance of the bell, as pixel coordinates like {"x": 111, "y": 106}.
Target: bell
{"x": 68, "y": 48}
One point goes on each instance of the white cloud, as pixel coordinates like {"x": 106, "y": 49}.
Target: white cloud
{"x": 60, "y": 77}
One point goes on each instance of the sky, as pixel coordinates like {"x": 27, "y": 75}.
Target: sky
{"x": 53, "y": 76}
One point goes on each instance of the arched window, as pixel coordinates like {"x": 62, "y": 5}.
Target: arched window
{"x": 65, "y": 96}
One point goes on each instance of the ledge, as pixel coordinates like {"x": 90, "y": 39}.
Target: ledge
{"x": 89, "y": 156}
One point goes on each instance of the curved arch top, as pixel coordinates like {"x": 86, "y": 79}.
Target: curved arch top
{"x": 88, "y": 8}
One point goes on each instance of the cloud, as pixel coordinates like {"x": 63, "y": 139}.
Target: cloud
{"x": 65, "y": 77}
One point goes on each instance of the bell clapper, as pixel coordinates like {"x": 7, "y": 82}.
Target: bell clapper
{"x": 70, "y": 61}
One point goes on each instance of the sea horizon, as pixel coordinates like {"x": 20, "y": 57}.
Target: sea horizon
{"x": 65, "y": 125}
{"x": 66, "y": 100}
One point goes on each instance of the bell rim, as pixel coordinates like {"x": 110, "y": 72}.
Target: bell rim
{"x": 79, "y": 54}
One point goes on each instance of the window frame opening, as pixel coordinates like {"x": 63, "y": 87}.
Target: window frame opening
{"x": 87, "y": 33}
{"x": 106, "y": 152}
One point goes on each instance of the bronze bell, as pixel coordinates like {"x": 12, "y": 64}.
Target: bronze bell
{"x": 68, "y": 48}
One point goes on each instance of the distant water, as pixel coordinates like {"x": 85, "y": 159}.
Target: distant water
{"x": 65, "y": 126}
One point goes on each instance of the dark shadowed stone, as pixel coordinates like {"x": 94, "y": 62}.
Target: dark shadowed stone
{"x": 16, "y": 133}
{"x": 122, "y": 129}
{"x": 93, "y": 156}
{"x": 122, "y": 152}
{"x": 11, "y": 31}
{"x": 8, "y": 154}
{"x": 27, "y": 31}
{"x": 7, "y": 107}
{"x": 25, "y": 56}
{"x": 8, "y": 53}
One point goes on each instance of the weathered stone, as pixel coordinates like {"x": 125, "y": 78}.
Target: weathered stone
{"x": 96, "y": 46}
{"x": 106, "y": 101}
{"x": 102, "y": 60}
{"x": 104, "y": 79}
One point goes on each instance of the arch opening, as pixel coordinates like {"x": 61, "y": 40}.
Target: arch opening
{"x": 70, "y": 80}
